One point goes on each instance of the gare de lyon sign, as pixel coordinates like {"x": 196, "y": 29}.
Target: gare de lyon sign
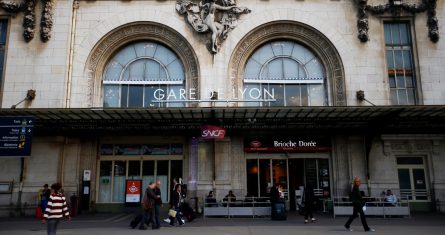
{"x": 241, "y": 95}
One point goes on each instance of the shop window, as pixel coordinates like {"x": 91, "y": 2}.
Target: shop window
{"x": 293, "y": 174}
{"x": 148, "y": 173}
{"x": 144, "y": 149}
{"x": 141, "y": 75}
{"x": 399, "y": 57}
{"x": 265, "y": 179}
{"x": 134, "y": 169}
{"x": 3, "y": 32}
{"x": 114, "y": 173}
{"x": 287, "y": 72}
{"x": 162, "y": 175}
{"x": 252, "y": 177}
{"x": 119, "y": 181}
{"x": 105, "y": 181}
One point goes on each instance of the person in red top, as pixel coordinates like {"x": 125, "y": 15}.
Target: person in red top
{"x": 55, "y": 210}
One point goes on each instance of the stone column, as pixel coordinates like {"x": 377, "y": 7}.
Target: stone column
{"x": 223, "y": 167}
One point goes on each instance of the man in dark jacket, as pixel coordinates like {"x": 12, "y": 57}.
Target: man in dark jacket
{"x": 309, "y": 199}
{"x": 357, "y": 203}
{"x": 158, "y": 203}
{"x": 148, "y": 204}
{"x": 176, "y": 205}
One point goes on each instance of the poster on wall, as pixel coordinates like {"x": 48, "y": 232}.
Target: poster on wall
{"x": 133, "y": 192}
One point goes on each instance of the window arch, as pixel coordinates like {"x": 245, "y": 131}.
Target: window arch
{"x": 289, "y": 71}
{"x": 141, "y": 74}
{"x": 293, "y": 32}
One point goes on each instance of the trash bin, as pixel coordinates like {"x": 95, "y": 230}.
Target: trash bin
{"x": 74, "y": 204}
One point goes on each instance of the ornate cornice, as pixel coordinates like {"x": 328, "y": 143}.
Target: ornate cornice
{"x": 298, "y": 32}
{"x": 29, "y": 18}
{"x": 395, "y": 8}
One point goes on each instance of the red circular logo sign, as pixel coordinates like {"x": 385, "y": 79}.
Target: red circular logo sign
{"x": 255, "y": 144}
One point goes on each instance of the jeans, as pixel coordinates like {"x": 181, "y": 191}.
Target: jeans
{"x": 147, "y": 218}
{"x": 156, "y": 220}
{"x": 178, "y": 217}
{"x": 51, "y": 226}
{"x": 358, "y": 209}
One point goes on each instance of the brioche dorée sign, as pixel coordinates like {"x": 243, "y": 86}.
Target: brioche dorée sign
{"x": 212, "y": 132}
{"x": 289, "y": 144}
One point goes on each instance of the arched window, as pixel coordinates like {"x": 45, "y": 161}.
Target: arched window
{"x": 289, "y": 71}
{"x": 143, "y": 74}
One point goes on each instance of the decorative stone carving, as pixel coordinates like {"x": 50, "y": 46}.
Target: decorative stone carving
{"x": 395, "y": 7}
{"x": 217, "y": 17}
{"x": 29, "y": 21}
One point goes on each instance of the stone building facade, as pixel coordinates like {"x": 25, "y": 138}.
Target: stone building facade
{"x": 72, "y": 72}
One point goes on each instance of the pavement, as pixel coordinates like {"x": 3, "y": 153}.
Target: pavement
{"x": 114, "y": 224}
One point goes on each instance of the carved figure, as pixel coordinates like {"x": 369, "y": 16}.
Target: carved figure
{"x": 215, "y": 16}
{"x": 396, "y": 8}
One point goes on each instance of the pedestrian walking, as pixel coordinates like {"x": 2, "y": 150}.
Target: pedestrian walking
{"x": 357, "y": 202}
{"x": 148, "y": 203}
{"x": 44, "y": 195}
{"x": 309, "y": 200}
{"x": 158, "y": 204}
{"x": 55, "y": 210}
{"x": 175, "y": 210}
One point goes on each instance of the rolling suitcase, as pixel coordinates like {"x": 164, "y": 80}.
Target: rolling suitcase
{"x": 136, "y": 221}
{"x": 188, "y": 212}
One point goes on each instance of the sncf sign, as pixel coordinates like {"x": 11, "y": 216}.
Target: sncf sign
{"x": 212, "y": 132}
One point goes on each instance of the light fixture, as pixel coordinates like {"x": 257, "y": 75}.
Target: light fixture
{"x": 30, "y": 95}
{"x": 360, "y": 95}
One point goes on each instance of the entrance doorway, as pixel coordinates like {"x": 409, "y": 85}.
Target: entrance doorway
{"x": 309, "y": 171}
{"x": 291, "y": 173}
{"x": 412, "y": 178}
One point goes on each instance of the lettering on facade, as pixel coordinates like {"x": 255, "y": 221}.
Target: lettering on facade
{"x": 241, "y": 95}
{"x": 293, "y": 144}
{"x": 212, "y": 132}
{"x": 217, "y": 17}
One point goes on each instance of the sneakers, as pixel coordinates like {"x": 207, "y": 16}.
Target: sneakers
{"x": 305, "y": 221}
{"x": 313, "y": 220}
{"x": 370, "y": 230}
{"x": 349, "y": 229}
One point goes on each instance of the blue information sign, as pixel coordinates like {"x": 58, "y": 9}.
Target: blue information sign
{"x": 15, "y": 136}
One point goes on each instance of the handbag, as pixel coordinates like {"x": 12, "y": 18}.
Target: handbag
{"x": 172, "y": 213}
{"x": 147, "y": 203}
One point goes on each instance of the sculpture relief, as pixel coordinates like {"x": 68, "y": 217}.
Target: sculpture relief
{"x": 395, "y": 8}
{"x": 217, "y": 17}
{"x": 28, "y": 9}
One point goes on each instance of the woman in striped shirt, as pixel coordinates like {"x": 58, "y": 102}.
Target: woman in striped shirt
{"x": 55, "y": 210}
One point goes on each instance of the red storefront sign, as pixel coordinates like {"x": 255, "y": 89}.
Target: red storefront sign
{"x": 212, "y": 132}
{"x": 133, "y": 191}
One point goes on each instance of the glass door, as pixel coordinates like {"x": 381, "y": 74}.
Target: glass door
{"x": 412, "y": 178}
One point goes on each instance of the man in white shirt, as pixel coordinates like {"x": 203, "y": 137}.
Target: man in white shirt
{"x": 390, "y": 197}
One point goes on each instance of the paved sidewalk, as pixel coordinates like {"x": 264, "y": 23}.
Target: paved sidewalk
{"x": 113, "y": 224}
